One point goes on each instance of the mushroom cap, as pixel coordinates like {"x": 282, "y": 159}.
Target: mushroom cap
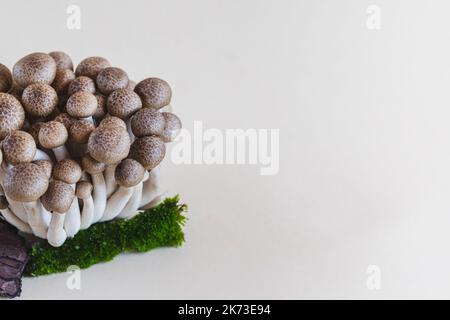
{"x": 111, "y": 79}
{"x": 81, "y": 83}
{"x": 58, "y": 197}
{"x": 83, "y": 190}
{"x": 109, "y": 144}
{"x": 65, "y": 119}
{"x": 25, "y": 182}
{"x": 39, "y": 99}
{"x": 101, "y": 106}
{"x": 5, "y": 78}
{"x": 81, "y": 104}
{"x": 34, "y": 131}
{"x": 62, "y": 60}
{"x": 16, "y": 91}
{"x": 123, "y": 103}
{"x": 80, "y": 131}
{"x": 12, "y": 115}
{"x": 18, "y": 147}
{"x": 154, "y": 92}
{"x": 149, "y": 151}
{"x": 90, "y": 67}
{"x": 131, "y": 85}
{"x": 129, "y": 173}
{"x": 62, "y": 80}
{"x": 92, "y": 166}
{"x": 52, "y": 134}
{"x": 67, "y": 170}
{"x": 46, "y": 166}
{"x": 147, "y": 122}
{"x": 36, "y": 67}
{"x": 172, "y": 127}
{"x": 3, "y": 203}
{"x": 111, "y": 121}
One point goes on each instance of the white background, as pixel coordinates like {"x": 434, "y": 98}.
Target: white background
{"x": 364, "y": 119}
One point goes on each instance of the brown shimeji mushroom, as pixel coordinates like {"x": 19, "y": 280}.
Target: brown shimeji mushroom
{"x": 53, "y": 135}
{"x": 62, "y": 80}
{"x": 39, "y": 99}
{"x": 84, "y": 193}
{"x": 111, "y": 79}
{"x": 132, "y": 206}
{"x": 172, "y": 128}
{"x": 147, "y": 122}
{"x": 11, "y": 217}
{"x": 123, "y": 103}
{"x": 69, "y": 171}
{"x": 101, "y": 107}
{"x": 95, "y": 169}
{"x": 57, "y": 199}
{"x": 129, "y": 173}
{"x": 90, "y": 67}
{"x": 81, "y": 105}
{"x": 12, "y": 115}
{"x": 5, "y": 78}
{"x": 26, "y": 183}
{"x": 19, "y": 146}
{"x": 149, "y": 151}
{"x": 36, "y": 67}
{"x": 62, "y": 60}
{"x": 81, "y": 83}
{"x": 46, "y": 166}
{"x": 154, "y": 92}
{"x": 65, "y": 119}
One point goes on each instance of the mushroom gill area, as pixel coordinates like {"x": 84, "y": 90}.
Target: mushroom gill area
{"x": 73, "y": 138}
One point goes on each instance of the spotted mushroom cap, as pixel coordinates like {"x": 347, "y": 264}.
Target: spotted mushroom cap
{"x": 111, "y": 121}
{"x": 36, "y": 67}
{"x": 12, "y": 115}
{"x": 81, "y": 104}
{"x": 109, "y": 144}
{"x": 25, "y": 182}
{"x": 67, "y": 170}
{"x": 101, "y": 106}
{"x": 83, "y": 190}
{"x": 92, "y": 166}
{"x": 80, "y": 131}
{"x": 149, "y": 151}
{"x": 123, "y": 103}
{"x": 39, "y": 99}
{"x": 52, "y": 134}
{"x": 111, "y": 79}
{"x": 5, "y": 78}
{"x": 146, "y": 122}
{"x": 91, "y": 66}
{"x": 46, "y": 166}
{"x": 59, "y": 197}
{"x": 65, "y": 119}
{"x": 81, "y": 83}
{"x": 18, "y": 147}
{"x": 154, "y": 92}
{"x": 172, "y": 127}
{"x": 129, "y": 173}
{"x": 62, "y": 59}
{"x": 62, "y": 80}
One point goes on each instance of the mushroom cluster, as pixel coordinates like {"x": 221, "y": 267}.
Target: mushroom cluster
{"x": 78, "y": 146}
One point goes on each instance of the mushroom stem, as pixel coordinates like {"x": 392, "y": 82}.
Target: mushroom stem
{"x": 87, "y": 215}
{"x": 11, "y": 218}
{"x": 151, "y": 187}
{"x": 61, "y": 153}
{"x": 56, "y": 234}
{"x": 110, "y": 180}
{"x": 130, "y": 131}
{"x": 99, "y": 195}
{"x": 116, "y": 203}
{"x": 72, "y": 221}
{"x": 36, "y": 219}
{"x": 131, "y": 208}
{"x": 18, "y": 209}
{"x": 157, "y": 200}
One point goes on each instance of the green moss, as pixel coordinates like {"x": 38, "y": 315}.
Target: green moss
{"x": 157, "y": 227}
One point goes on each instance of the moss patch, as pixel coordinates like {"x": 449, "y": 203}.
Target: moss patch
{"x": 157, "y": 227}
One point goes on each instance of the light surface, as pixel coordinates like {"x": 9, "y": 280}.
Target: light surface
{"x": 364, "y": 119}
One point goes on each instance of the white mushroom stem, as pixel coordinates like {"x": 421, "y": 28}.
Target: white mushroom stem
{"x": 41, "y": 155}
{"x": 87, "y": 215}
{"x": 56, "y": 234}
{"x": 131, "y": 208}
{"x": 157, "y": 200}
{"x": 61, "y": 153}
{"x": 36, "y": 219}
{"x": 116, "y": 203}
{"x": 18, "y": 209}
{"x": 72, "y": 222}
{"x": 11, "y": 218}
{"x": 99, "y": 195}
{"x": 130, "y": 131}
{"x": 110, "y": 180}
{"x": 151, "y": 187}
